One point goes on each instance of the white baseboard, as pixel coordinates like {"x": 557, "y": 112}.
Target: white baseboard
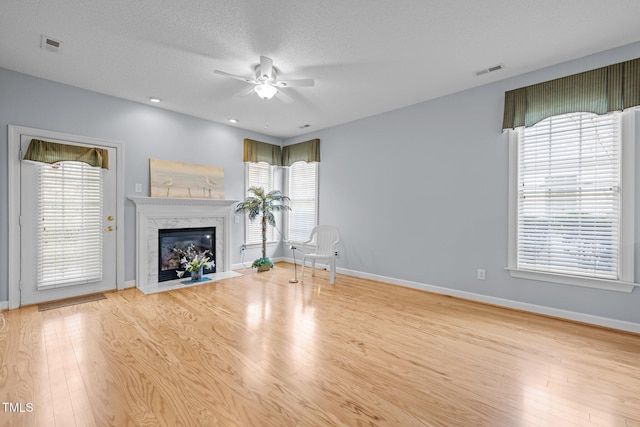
{"x": 532, "y": 308}
{"x": 239, "y": 266}
{"x": 4, "y": 305}
{"x": 129, "y": 284}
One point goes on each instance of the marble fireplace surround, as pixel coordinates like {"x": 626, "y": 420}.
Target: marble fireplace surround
{"x": 155, "y": 213}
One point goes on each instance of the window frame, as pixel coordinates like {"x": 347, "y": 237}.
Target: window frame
{"x": 271, "y": 235}
{"x": 627, "y": 220}
{"x": 316, "y": 207}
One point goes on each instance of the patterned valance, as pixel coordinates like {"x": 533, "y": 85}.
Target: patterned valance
{"x": 308, "y": 151}
{"x": 256, "y": 151}
{"x": 599, "y": 91}
{"x": 53, "y": 152}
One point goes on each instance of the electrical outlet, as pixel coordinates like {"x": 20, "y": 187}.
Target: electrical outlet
{"x": 336, "y": 253}
{"x": 481, "y": 274}
{"x": 242, "y": 248}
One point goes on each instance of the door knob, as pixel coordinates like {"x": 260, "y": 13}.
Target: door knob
{"x": 110, "y": 218}
{"x": 109, "y": 228}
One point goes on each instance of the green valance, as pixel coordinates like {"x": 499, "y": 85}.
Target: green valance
{"x": 256, "y": 151}
{"x": 599, "y": 91}
{"x": 53, "y": 152}
{"x": 308, "y": 151}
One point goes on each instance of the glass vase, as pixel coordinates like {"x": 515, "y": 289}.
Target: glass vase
{"x": 196, "y": 275}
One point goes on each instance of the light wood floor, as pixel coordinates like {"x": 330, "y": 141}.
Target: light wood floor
{"x": 258, "y": 351}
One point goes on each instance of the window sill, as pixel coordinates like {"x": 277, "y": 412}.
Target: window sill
{"x": 588, "y": 282}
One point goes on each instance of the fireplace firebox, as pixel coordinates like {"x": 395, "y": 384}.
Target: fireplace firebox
{"x": 168, "y": 239}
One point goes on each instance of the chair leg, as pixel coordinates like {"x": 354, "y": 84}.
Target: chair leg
{"x": 313, "y": 267}
{"x": 302, "y": 273}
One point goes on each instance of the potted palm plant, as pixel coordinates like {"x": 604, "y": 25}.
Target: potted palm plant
{"x": 263, "y": 205}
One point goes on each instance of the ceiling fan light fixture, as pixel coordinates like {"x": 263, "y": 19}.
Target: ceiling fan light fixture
{"x": 265, "y": 91}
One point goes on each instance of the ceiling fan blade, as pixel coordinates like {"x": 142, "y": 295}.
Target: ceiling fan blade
{"x": 246, "y": 92}
{"x": 295, "y": 83}
{"x": 284, "y": 97}
{"x": 266, "y": 67}
{"x": 233, "y": 76}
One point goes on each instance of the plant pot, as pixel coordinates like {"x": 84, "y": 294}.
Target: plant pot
{"x": 264, "y": 267}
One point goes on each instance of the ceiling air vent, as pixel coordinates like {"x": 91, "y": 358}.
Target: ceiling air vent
{"x": 50, "y": 44}
{"x": 488, "y": 70}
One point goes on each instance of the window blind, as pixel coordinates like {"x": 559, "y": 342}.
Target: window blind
{"x": 569, "y": 195}
{"x": 259, "y": 175}
{"x": 303, "y": 190}
{"x": 70, "y": 225}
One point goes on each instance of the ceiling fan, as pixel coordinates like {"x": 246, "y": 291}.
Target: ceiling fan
{"x": 266, "y": 80}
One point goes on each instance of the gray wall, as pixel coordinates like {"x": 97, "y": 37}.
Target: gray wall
{"x": 420, "y": 194}
{"x": 145, "y": 132}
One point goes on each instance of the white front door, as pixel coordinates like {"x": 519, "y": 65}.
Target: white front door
{"x": 67, "y": 212}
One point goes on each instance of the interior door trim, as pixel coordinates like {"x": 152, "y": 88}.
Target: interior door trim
{"x": 13, "y": 160}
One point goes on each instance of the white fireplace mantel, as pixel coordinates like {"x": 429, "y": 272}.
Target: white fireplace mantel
{"x": 156, "y": 213}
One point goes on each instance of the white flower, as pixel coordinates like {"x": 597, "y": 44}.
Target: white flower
{"x": 192, "y": 260}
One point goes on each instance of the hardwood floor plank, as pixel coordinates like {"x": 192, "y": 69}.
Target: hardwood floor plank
{"x": 43, "y": 414}
{"x": 256, "y": 350}
{"x": 72, "y": 338}
{"x": 17, "y": 377}
{"x": 57, "y": 356}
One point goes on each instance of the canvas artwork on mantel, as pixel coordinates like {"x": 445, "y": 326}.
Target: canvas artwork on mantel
{"x": 185, "y": 180}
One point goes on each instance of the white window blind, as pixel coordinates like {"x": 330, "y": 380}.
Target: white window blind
{"x": 303, "y": 191}
{"x": 70, "y": 230}
{"x": 568, "y": 217}
{"x": 258, "y": 175}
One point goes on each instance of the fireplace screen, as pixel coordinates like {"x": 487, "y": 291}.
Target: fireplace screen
{"x": 168, "y": 239}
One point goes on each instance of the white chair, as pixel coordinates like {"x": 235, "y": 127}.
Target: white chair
{"x": 323, "y": 239}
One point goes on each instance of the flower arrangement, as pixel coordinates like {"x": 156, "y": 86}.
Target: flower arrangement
{"x": 193, "y": 260}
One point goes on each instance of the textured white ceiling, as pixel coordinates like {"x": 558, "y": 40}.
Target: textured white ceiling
{"x": 366, "y": 57}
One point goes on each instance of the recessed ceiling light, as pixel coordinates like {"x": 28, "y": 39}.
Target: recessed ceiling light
{"x": 154, "y": 100}
{"x": 233, "y": 121}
